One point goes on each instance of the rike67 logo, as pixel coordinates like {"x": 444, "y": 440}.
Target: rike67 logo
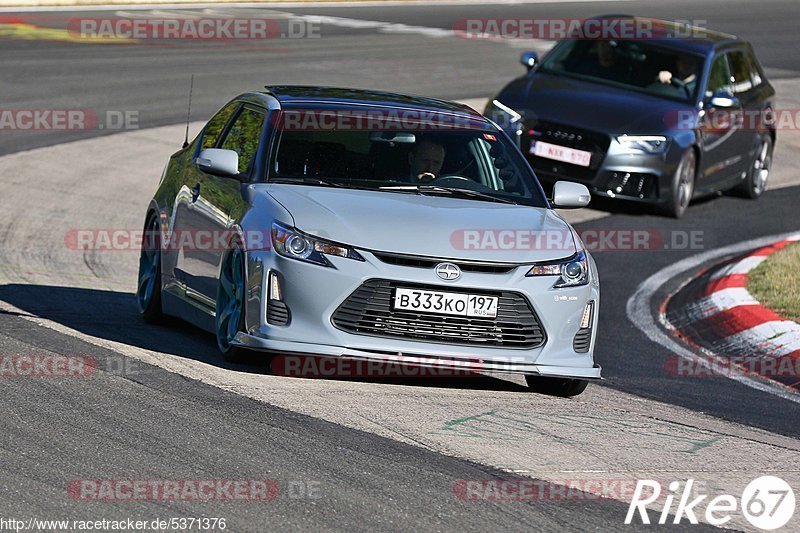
{"x": 767, "y": 502}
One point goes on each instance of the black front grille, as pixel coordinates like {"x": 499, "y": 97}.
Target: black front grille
{"x": 368, "y": 311}
{"x": 582, "y": 340}
{"x": 426, "y": 262}
{"x": 277, "y": 313}
{"x": 571, "y": 137}
{"x": 632, "y": 184}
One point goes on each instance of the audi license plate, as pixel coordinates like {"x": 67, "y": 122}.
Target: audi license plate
{"x": 445, "y": 303}
{"x": 561, "y": 153}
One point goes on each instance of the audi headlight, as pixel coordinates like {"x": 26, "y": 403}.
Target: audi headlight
{"x": 571, "y": 272}
{"x": 294, "y": 244}
{"x": 505, "y": 117}
{"x": 649, "y": 144}
{"x": 513, "y": 116}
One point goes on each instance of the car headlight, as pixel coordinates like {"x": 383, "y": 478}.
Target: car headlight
{"x": 513, "y": 116}
{"x": 291, "y": 243}
{"x": 571, "y": 272}
{"x": 505, "y": 117}
{"x": 650, "y": 144}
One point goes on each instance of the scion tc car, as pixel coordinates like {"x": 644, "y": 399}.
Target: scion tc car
{"x": 375, "y": 226}
{"x": 659, "y": 120}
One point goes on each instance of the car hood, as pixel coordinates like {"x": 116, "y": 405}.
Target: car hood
{"x": 431, "y": 226}
{"x": 592, "y": 106}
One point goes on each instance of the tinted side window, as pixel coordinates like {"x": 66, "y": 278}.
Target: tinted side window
{"x": 243, "y": 137}
{"x": 215, "y": 126}
{"x": 755, "y": 71}
{"x": 740, "y": 69}
{"x": 719, "y": 79}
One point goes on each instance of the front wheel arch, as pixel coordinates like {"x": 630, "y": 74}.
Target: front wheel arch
{"x": 754, "y": 186}
{"x": 231, "y": 300}
{"x": 148, "y": 291}
{"x": 682, "y": 184}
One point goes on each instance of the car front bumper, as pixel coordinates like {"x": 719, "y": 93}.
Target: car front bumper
{"x": 313, "y": 293}
{"x": 613, "y": 172}
{"x": 636, "y": 177}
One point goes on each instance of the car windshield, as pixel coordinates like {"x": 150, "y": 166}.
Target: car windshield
{"x": 641, "y": 66}
{"x": 469, "y": 163}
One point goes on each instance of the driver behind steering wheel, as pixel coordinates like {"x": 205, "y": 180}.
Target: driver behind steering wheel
{"x": 685, "y": 75}
{"x": 426, "y": 160}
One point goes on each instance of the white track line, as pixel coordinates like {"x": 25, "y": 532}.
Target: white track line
{"x": 740, "y": 267}
{"x": 716, "y": 302}
{"x": 639, "y": 310}
{"x": 771, "y": 338}
{"x": 775, "y": 338}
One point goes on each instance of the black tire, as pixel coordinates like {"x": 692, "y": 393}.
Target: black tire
{"x": 682, "y": 186}
{"x": 148, "y": 287}
{"x": 232, "y": 270}
{"x": 562, "y": 387}
{"x": 756, "y": 181}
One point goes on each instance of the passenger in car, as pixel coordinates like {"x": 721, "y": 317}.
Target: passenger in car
{"x": 602, "y": 62}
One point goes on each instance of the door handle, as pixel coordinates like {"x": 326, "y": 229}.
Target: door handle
{"x": 195, "y": 193}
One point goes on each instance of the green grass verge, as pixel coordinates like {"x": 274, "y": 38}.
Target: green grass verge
{"x": 776, "y": 282}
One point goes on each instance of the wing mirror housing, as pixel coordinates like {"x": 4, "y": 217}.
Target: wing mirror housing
{"x": 723, "y": 100}
{"x": 529, "y": 59}
{"x": 570, "y": 195}
{"x": 219, "y": 162}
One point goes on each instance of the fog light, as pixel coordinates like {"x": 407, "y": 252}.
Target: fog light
{"x": 583, "y": 339}
{"x": 277, "y": 312}
{"x": 274, "y": 287}
{"x": 586, "y": 320}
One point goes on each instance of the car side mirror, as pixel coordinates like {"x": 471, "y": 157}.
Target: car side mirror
{"x": 219, "y": 162}
{"x": 529, "y": 59}
{"x": 570, "y": 195}
{"x": 723, "y": 100}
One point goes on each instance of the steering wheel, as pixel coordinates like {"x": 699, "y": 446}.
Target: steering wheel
{"x": 453, "y": 177}
{"x": 680, "y": 84}
{"x": 677, "y": 82}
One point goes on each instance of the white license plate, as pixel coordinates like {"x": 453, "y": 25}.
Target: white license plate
{"x": 446, "y": 303}
{"x": 561, "y": 153}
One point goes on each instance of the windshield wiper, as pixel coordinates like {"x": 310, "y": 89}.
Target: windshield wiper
{"x": 467, "y": 193}
{"x": 307, "y": 180}
{"x": 324, "y": 182}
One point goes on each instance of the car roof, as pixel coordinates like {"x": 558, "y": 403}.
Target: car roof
{"x": 683, "y": 36}
{"x": 301, "y": 96}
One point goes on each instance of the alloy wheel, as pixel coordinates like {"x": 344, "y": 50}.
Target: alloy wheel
{"x": 149, "y": 266}
{"x": 686, "y": 181}
{"x": 230, "y": 299}
{"x": 761, "y": 167}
